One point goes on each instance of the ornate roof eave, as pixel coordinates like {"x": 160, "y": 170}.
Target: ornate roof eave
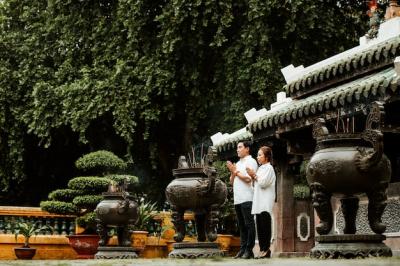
{"x": 356, "y": 91}
{"x": 231, "y": 142}
{"x": 360, "y": 62}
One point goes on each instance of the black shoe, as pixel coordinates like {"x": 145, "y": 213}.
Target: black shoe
{"x": 248, "y": 255}
{"x": 268, "y": 255}
{"x": 239, "y": 254}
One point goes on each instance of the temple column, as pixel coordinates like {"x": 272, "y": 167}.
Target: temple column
{"x": 285, "y": 220}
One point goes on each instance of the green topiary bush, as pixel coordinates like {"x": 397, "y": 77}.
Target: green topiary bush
{"x": 89, "y": 184}
{"x": 84, "y": 192}
{"x": 64, "y": 194}
{"x": 59, "y": 207}
{"x": 103, "y": 162}
{"x": 87, "y": 201}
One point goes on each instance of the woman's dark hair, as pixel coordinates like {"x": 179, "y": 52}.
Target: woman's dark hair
{"x": 267, "y": 152}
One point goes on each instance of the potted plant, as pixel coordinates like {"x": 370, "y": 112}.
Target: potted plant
{"x": 27, "y": 230}
{"x": 146, "y": 212}
{"x": 84, "y": 193}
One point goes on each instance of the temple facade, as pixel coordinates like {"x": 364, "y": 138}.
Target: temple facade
{"x": 341, "y": 90}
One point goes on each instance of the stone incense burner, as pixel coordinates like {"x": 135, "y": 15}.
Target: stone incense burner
{"x": 197, "y": 189}
{"x": 346, "y": 165}
{"x": 117, "y": 210}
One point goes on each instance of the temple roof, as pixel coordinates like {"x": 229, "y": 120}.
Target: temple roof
{"x": 348, "y": 94}
{"x": 348, "y": 80}
{"x": 231, "y": 141}
{"x": 339, "y": 96}
{"x": 351, "y": 61}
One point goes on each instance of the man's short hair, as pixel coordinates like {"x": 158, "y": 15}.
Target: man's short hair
{"x": 246, "y": 143}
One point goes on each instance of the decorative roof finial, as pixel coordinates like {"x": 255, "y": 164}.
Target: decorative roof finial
{"x": 374, "y": 20}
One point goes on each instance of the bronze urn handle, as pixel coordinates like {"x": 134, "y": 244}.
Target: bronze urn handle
{"x": 373, "y": 135}
{"x": 209, "y": 171}
{"x": 319, "y": 128}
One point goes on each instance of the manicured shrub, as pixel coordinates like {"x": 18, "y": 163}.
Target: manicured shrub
{"x": 101, "y": 162}
{"x": 59, "y": 207}
{"x": 87, "y": 201}
{"x": 84, "y": 192}
{"x": 64, "y": 194}
{"x": 89, "y": 184}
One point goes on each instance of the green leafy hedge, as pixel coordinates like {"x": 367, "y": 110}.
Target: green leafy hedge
{"x": 103, "y": 161}
{"x": 89, "y": 184}
{"x": 59, "y": 207}
{"x": 87, "y": 201}
{"x": 66, "y": 194}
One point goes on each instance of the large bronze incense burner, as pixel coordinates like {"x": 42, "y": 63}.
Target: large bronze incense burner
{"x": 197, "y": 188}
{"x": 346, "y": 165}
{"x": 116, "y": 211}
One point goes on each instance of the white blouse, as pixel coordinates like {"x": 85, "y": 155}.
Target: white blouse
{"x": 264, "y": 189}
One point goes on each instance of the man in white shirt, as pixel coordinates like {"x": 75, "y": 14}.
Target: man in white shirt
{"x": 243, "y": 198}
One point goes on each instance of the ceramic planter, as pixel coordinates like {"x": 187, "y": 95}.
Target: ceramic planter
{"x": 84, "y": 245}
{"x": 25, "y": 253}
{"x": 139, "y": 240}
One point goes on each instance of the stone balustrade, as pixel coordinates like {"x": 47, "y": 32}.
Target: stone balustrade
{"x": 54, "y": 245}
{"x": 10, "y": 216}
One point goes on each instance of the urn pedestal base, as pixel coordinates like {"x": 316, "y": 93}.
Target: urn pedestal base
{"x": 350, "y": 246}
{"x": 195, "y": 250}
{"x": 115, "y": 252}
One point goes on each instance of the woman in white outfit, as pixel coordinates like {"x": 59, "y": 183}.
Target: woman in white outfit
{"x": 263, "y": 199}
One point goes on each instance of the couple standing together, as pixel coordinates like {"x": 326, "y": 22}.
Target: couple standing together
{"x": 253, "y": 194}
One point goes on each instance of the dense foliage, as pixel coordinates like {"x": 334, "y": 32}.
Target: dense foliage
{"x": 154, "y": 76}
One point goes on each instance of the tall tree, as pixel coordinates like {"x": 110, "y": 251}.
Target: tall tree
{"x": 154, "y": 76}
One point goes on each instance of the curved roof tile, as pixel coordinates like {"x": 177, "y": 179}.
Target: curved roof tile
{"x": 374, "y": 53}
{"x": 338, "y": 96}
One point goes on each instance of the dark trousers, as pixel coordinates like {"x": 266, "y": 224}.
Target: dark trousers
{"x": 246, "y": 226}
{"x": 263, "y": 221}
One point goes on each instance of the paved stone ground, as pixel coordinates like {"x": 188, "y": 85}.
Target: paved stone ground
{"x": 211, "y": 262}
